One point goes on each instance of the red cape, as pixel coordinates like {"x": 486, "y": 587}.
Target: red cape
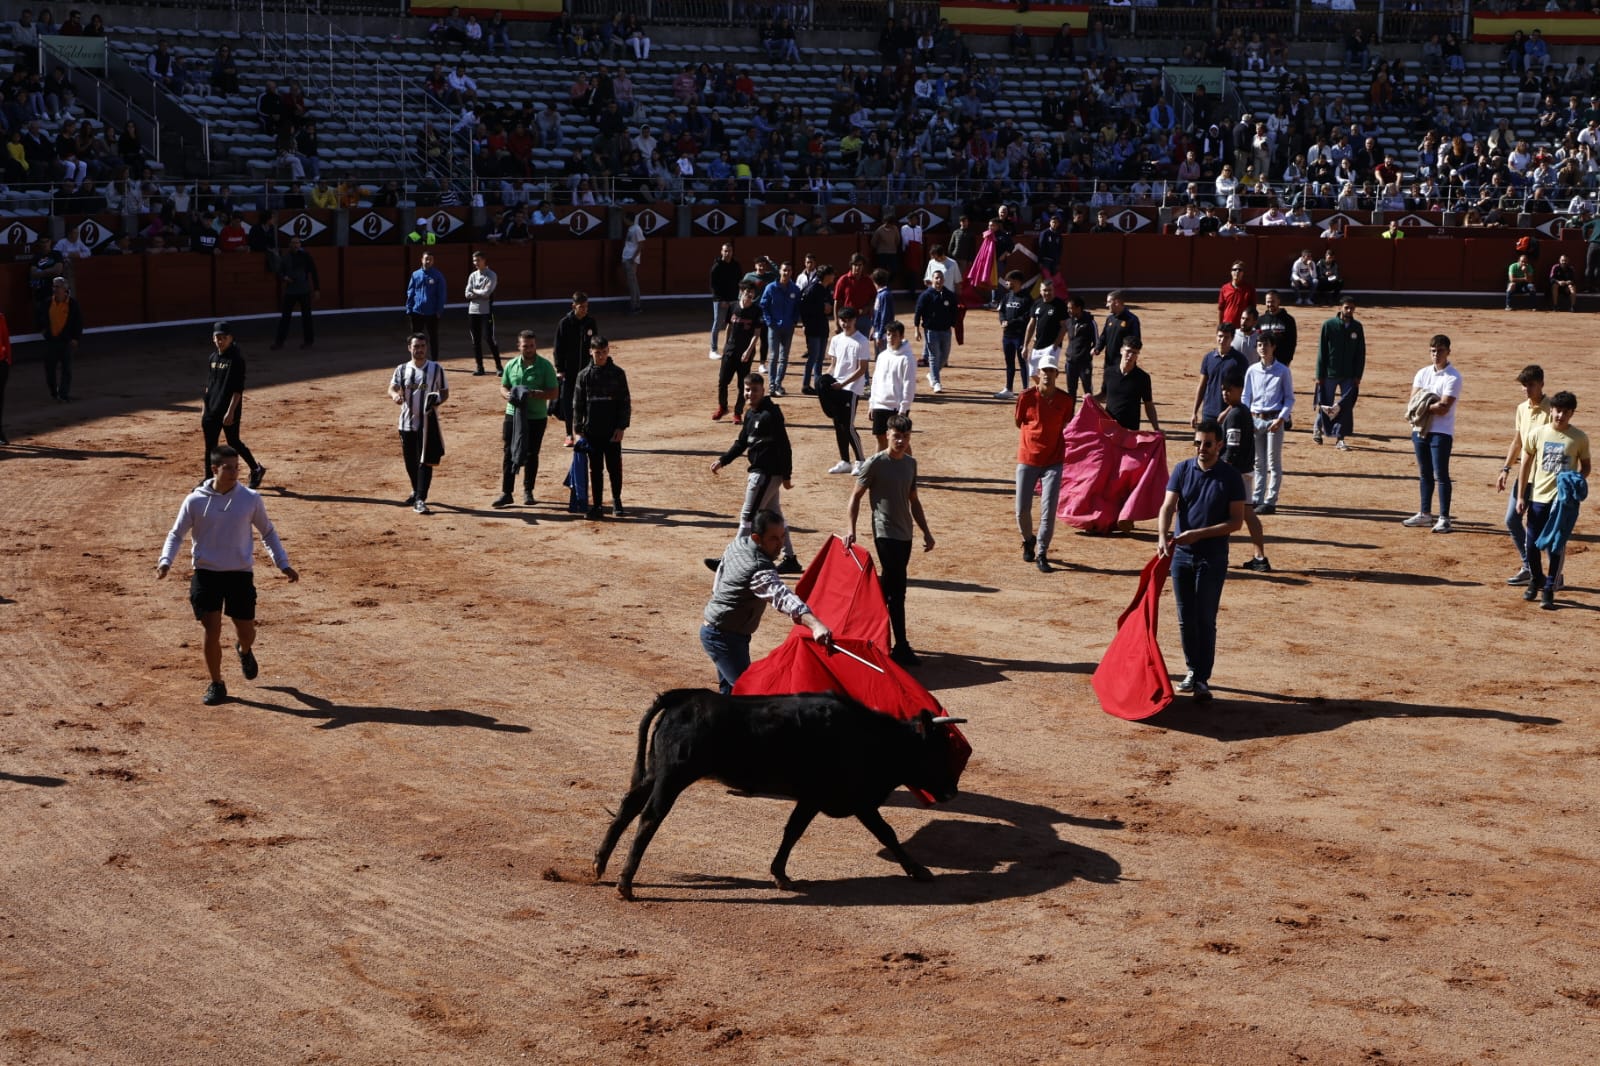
{"x": 841, "y": 588}
{"x": 1111, "y": 474}
{"x": 1131, "y": 679}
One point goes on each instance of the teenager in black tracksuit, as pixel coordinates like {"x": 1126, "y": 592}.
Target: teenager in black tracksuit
{"x": 1015, "y": 308}
{"x": 223, "y": 408}
{"x": 575, "y": 333}
{"x": 602, "y": 409}
{"x": 765, "y": 439}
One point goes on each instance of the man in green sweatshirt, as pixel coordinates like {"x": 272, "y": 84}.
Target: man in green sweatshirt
{"x": 1341, "y": 362}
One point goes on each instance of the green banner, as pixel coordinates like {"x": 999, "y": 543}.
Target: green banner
{"x": 1188, "y": 79}
{"x": 86, "y": 52}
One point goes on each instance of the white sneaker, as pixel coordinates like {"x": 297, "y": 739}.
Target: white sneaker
{"x": 1005, "y": 394}
{"x": 1442, "y": 525}
{"x": 714, "y": 354}
{"x": 761, "y": 368}
{"x": 937, "y": 388}
{"x": 855, "y": 470}
{"x": 841, "y": 467}
{"x": 1418, "y": 520}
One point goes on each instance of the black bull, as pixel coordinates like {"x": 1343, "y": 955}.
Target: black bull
{"x": 828, "y": 753}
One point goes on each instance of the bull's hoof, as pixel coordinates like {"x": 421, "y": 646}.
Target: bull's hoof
{"x": 625, "y": 891}
{"x": 783, "y": 883}
{"x": 920, "y": 873}
{"x": 597, "y": 868}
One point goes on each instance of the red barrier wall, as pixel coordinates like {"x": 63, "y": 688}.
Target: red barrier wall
{"x": 178, "y": 285}
{"x": 123, "y": 290}
{"x": 376, "y": 277}
{"x": 242, "y": 285}
{"x": 110, "y": 289}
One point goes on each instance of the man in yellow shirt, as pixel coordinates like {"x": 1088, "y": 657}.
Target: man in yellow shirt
{"x": 1531, "y": 414}
{"x": 1549, "y": 452}
{"x": 324, "y": 198}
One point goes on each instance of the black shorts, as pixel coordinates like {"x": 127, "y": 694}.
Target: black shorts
{"x": 231, "y": 591}
{"x": 880, "y": 421}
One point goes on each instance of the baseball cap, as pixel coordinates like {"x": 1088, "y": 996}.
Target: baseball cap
{"x": 1050, "y": 362}
{"x": 221, "y": 326}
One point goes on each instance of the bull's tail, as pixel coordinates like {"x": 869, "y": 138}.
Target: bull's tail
{"x": 642, "y": 756}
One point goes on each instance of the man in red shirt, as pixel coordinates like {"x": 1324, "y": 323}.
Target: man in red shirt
{"x": 233, "y": 237}
{"x": 1042, "y": 415}
{"x": 1235, "y": 295}
{"x": 855, "y": 289}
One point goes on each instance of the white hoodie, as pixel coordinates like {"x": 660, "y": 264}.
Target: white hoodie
{"x": 221, "y": 524}
{"x": 894, "y": 380}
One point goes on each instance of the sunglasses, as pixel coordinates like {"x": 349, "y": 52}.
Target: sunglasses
{"x": 1206, "y": 443}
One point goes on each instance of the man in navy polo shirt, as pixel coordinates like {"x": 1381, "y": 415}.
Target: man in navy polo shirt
{"x": 1207, "y": 496}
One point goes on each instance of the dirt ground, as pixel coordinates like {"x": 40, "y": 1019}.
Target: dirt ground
{"x": 1377, "y": 846}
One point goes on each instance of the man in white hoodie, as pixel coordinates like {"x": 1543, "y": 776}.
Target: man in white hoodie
{"x": 220, "y": 514}
{"x": 481, "y": 284}
{"x": 894, "y": 383}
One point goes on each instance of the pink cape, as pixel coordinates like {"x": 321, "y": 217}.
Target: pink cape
{"x": 1111, "y": 474}
{"x": 982, "y": 276}
{"x": 1131, "y": 679}
{"x": 841, "y": 588}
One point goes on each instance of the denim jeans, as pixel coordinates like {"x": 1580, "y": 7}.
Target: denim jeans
{"x": 1197, "y": 586}
{"x": 1269, "y": 462}
{"x": 1349, "y": 392}
{"x": 936, "y": 345}
{"x": 729, "y": 652}
{"x": 1538, "y": 515}
{"x": 816, "y": 349}
{"x": 1515, "y": 524}
{"x": 1433, "y": 467}
{"x": 720, "y": 311}
{"x": 1028, "y": 477}
{"x": 779, "y": 340}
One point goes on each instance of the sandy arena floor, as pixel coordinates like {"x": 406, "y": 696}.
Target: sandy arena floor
{"x": 1377, "y": 846}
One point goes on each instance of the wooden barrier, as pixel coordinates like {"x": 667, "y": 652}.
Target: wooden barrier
{"x": 136, "y": 289}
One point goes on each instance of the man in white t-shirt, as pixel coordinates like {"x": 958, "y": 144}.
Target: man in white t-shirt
{"x": 1434, "y": 431}
{"x": 632, "y": 256}
{"x": 72, "y": 246}
{"x": 840, "y": 389}
{"x": 937, "y": 260}
{"x": 1188, "y": 223}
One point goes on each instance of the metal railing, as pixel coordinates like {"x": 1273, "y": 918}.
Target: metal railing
{"x": 565, "y": 192}
{"x": 107, "y": 104}
{"x": 1299, "y": 20}
{"x": 802, "y": 14}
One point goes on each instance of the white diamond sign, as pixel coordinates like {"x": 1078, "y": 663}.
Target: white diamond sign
{"x": 716, "y": 221}
{"x": 303, "y": 226}
{"x": 18, "y": 233}
{"x": 444, "y": 223}
{"x": 1129, "y": 221}
{"x": 1349, "y": 220}
{"x": 1416, "y": 220}
{"x": 580, "y": 222}
{"x": 854, "y": 217}
{"x": 650, "y": 220}
{"x": 924, "y": 218}
{"x": 93, "y": 233}
{"x": 371, "y": 225}
{"x": 780, "y": 218}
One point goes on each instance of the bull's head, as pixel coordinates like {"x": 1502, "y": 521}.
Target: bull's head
{"x": 939, "y": 763}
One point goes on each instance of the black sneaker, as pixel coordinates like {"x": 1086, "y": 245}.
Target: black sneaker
{"x": 407, "y": 502}
{"x": 1530, "y": 594}
{"x": 480, "y": 372}
{"x": 594, "y": 514}
{"x": 712, "y": 564}
{"x": 1027, "y": 548}
{"x": 618, "y": 511}
{"x": 903, "y": 655}
{"x": 790, "y": 565}
{"x": 1259, "y": 564}
{"x": 527, "y": 498}
{"x": 216, "y": 693}
{"x": 1202, "y": 692}
{"x": 1186, "y": 683}
{"x": 1044, "y": 565}
{"x": 257, "y": 476}
{"x": 1521, "y": 577}
{"x": 247, "y": 663}
{"x": 502, "y": 500}
{"x": 1548, "y": 602}
{"x": 1266, "y": 508}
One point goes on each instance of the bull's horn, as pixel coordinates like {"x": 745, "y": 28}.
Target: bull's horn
{"x": 947, "y": 720}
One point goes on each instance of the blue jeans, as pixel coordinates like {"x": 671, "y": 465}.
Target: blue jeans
{"x": 779, "y": 338}
{"x": 1433, "y": 466}
{"x": 1197, "y": 586}
{"x": 936, "y": 345}
{"x": 1349, "y": 392}
{"x": 816, "y": 348}
{"x": 720, "y": 310}
{"x": 1515, "y": 524}
{"x": 729, "y": 652}
{"x": 1538, "y": 515}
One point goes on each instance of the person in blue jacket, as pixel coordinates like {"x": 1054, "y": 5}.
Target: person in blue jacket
{"x": 425, "y": 301}
{"x": 780, "y": 307}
